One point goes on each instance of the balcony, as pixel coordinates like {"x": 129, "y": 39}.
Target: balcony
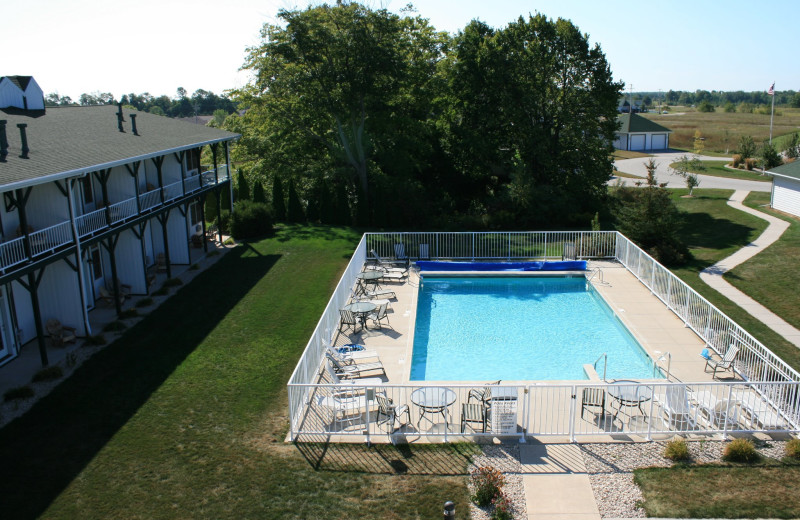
{"x": 50, "y": 239}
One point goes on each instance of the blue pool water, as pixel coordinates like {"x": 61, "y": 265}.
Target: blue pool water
{"x": 538, "y": 329}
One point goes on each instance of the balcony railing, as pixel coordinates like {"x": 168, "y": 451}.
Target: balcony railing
{"x": 12, "y": 252}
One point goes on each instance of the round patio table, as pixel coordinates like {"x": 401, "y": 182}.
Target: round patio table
{"x": 433, "y": 400}
{"x": 361, "y": 310}
{"x": 629, "y": 394}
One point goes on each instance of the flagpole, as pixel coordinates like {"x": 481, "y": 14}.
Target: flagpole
{"x": 772, "y": 115}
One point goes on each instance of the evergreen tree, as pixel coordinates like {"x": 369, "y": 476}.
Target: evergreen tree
{"x": 278, "y": 204}
{"x": 258, "y": 192}
{"x": 241, "y": 184}
{"x": 295, "y": 208}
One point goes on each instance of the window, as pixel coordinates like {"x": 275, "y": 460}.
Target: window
{"x": 192, "y": 159}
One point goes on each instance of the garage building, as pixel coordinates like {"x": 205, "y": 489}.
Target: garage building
{"x": 786, "y": 188}
{"x": 640, "y": 134}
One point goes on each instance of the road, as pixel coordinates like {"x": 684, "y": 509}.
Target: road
{"x": 664, "y": 173}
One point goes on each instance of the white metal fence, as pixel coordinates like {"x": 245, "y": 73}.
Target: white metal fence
{"x": 768, "y": 399}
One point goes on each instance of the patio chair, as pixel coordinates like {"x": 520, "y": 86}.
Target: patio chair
{"x": 390, "y": 413}
{"x": 679, "y": 413}
{"x": 348, "y": 320}
{"x": 400, "y": 251}
{"x": 108, "y": 297}
{"x": 726, "y": 363}
{"x": 482, "y": 394}
{"x": 593, "y": 398}
{"x": 354, "y": 370}
{"x": 473, "y": 413}
{"x": 349, "y": 358}
{"x": 380, "y": 314}
{"x": 346, "y": 408}
{"x": 60, "y": 334}
{"x": 351, "y": 383}
{"x": 124, "y": 289}
{"x": 388, "y": 263}
{"x": 720, "y": 413}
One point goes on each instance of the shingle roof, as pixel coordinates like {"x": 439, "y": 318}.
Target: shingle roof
{"x": 64, "y": 141}
{"x": 791, "y": 169}
{"x": 634, "y": 123}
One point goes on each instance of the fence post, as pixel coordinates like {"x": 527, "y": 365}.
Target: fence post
{"x": 573, "y": 396}
{"x": 473, "y": 246}
{"x": 525, "y": 409}
{"x": 650, "y": 418}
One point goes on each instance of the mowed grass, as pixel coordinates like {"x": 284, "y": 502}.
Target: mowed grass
{"x": 718, "y": 169}
{"x": 185, "y": 416}
{"x": 722, "y": 130}
{"x": 713, "y": 230}
{"x": 719, "y": 491}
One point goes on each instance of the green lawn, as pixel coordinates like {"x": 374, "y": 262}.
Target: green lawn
{"x": 185, "y": 415}
{"x": 721, "y": 491}
{"x": 714, "y": 230}
{"x": 717, "y": 169}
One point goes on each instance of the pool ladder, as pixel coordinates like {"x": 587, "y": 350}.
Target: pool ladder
{"x": 604, "y": 357}
{"x": 595, "y": 273}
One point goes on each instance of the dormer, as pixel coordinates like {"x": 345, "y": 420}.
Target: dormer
{"x": 21, "y": 92}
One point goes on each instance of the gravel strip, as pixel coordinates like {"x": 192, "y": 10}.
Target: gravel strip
{"x": 610, "y": 467}
{"x": 504, "y": 457}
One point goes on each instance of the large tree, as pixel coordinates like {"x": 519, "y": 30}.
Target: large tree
{"x": 533, "y": 115}
{"x": 342, "y": 91}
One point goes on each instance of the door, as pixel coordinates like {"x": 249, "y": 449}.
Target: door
{"x": 637, "y": 142}
{"x": 659, "y": 142}
{"x": 87, "y": 194}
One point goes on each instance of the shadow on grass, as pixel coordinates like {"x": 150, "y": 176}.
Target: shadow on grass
{"x": 725, "y": 234}
{"x": 403, "y": 459}
{"x": 45, "y": 449}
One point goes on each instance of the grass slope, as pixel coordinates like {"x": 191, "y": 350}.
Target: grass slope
{"x": 185, "y": 415}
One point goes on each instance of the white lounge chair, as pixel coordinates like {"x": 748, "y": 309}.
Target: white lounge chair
{"x": 351, "y": 383}
{"x": 354, "y": 370}
{"x": 679, "y": 413}
{"x": 722, "y": 413}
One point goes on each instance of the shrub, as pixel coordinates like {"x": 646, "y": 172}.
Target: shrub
{"x": 161, "y": 292}
{"x": 740, "y": 450}
{"x": 225, "y": 221}
{"x": 115, "y": 326}
{"x": 487, "y": 482}
{"x": 48, "y": 374}
{"x": 502, "y": 507}
{"x": 97, "y": 339}
{"x": 770, "y": 158}
{"x": 793, "y": 449}
{"x": 172, "y": 282}
{"x": 129, "y": 313}
{"x": 747, "y": 147}
{"x": 144, "y": 302}
{"x": 251, "y": 219}
{"x": 676, "y": 450}
{"x": 737, "y": 160}
{"x": 750, "y": 163}
{"x": 18, "y": 393}
{"x": 229, "y": 242}
{"x": 194, "y": 267}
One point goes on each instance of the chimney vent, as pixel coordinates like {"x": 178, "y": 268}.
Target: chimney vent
{"x": 24, "y": 139}
{"x": 133, "y": 124}
{"x": 3, "y": 140}
{"x": 120, "y": 119}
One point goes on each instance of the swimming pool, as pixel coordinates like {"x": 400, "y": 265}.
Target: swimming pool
{"x": 519, "y": 328}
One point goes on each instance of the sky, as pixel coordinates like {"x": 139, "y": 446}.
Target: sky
{"x": 119, "y": 46}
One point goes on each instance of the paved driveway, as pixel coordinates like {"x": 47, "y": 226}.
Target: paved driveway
{"x": 664, "y": 174}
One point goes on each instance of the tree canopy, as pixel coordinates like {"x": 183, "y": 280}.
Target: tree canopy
{"x": 496, "y": 127}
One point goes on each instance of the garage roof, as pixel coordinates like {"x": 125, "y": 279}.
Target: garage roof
{"x": 791, "y": 170}
{"x": 634, "y": 123}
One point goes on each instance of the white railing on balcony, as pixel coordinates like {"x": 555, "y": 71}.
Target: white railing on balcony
{"x": 767, "y": 400}
{"x": 497, "y": 245}
{"x": 42, "y": 241}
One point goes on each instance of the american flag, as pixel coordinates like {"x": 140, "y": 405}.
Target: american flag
{"x": 771, "y": 90}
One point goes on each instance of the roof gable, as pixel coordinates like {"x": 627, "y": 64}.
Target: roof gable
{"x": 20, "y": 81}
{"x": 634, "y": 123}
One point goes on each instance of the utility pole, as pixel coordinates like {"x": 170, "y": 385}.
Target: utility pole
{"x": 630, "y": 100}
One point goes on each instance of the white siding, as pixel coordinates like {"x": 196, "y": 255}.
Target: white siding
{"x": 120, "y": 185}
{"x": 170, "y": 170}
{"x": 621, "y": 142}
{"x": 130, "y": 265}
{"x": 786, "y": 195}
{"x": 46, "y": 206}
{"x": 178, "y": 238}
{"x": 59, "y": 296}
{"x": 34, "y": 96}
{"x": 24, "y": 312}
{"x": 10, "y": 95}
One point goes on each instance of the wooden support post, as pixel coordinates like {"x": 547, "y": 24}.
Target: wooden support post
{"x": 32, "y": 286}
{"x": 163, "y": 218}
{"x": 110, "y": 245}
{"x": 21, "y": 199}
{"x": 159, "y": 161}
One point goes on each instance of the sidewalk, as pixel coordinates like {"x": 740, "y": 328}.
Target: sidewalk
{"x": 713, "y": 275}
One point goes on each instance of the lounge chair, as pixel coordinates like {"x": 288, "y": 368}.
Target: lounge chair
{"x": 362, "y": 291}
{"x": 679, "y": 413}
{"x": 761, "y": 413}
{"x": 404, "y": 263}
{"x": 354, "y": 370}
{"x": 60, "y": 334}
{"x": 108, "y": 297}
{"x": 726, "y": 363}
{"x": 400, "y": 251}
{"x": 348, "y": 320}
{"x": 380, "y": 314}
{"x": 721, "y": 413}
{"x": 390, "y": 413}
{"x": 356, "y": 356}
{"x": 349, "y": 383}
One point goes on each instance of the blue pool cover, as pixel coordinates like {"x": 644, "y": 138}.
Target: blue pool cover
{"x": 566, "y": 265}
